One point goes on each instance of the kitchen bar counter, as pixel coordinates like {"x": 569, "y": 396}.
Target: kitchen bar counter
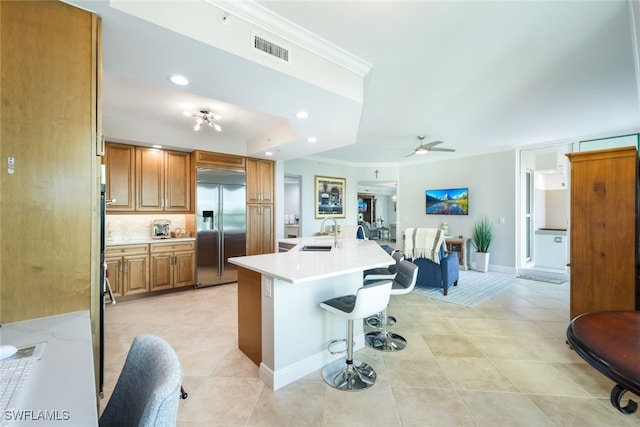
{"x": 297, "y": 266}
{"x": 281, "y": 326}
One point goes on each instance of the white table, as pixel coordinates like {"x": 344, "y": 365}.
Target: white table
{"x": 294, "y": 330}
{"x": 63, "y": 384}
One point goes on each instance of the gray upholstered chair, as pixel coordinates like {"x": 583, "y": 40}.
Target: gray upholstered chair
{"x": 148, "y": 389}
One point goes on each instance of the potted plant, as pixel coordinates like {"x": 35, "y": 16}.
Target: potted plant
{"x": 481, "y": 238}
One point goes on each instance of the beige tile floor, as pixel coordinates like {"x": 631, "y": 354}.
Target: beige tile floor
{"x": 502, "y": 363}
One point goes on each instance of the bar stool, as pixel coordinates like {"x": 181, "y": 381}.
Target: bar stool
{"x": 404, "y": 283}
{"x": 345, "y": 373}
{"x": 384, "y": 273}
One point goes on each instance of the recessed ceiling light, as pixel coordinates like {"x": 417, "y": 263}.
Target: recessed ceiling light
{"x": 302, "y": 114}
{"x": 312, "y": 139}
{"x": 268, "y": 153}
{"x": 179, "y": 80}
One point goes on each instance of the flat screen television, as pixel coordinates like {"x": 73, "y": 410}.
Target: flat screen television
{"x": 448, "y": 201}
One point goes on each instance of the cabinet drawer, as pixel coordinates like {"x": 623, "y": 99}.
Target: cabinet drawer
{"x": 112, "y": 251}
{"x": 172, "y": 246}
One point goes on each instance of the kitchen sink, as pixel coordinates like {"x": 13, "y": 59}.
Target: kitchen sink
{"x": 316, "y": 248}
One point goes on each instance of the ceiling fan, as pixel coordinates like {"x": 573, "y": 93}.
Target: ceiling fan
{"x": 424, "y": 148}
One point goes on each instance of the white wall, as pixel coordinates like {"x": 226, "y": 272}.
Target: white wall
{"x": 491, "y": 180}
{"x": 307, "y": 169}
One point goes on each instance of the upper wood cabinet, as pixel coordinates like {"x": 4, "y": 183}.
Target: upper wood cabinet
{"x": 141, "y": 179}
{"x": 163, "y": 180}
{"x": 50, "y": 73}
{"x": 217, "y": 160}
{"x": 120, "y": 161}
{"x": 259, "y": 181}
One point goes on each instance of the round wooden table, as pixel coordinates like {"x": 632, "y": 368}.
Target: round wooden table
{"x": 610, "y": 342}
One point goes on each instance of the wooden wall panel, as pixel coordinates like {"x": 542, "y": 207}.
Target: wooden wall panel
{"x": 49, "y": 204}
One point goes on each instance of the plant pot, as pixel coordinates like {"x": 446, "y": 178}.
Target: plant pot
{"x": 482, "y": 261}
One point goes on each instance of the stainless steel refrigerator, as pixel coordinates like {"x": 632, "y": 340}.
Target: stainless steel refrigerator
{"x": 220, "y": 224}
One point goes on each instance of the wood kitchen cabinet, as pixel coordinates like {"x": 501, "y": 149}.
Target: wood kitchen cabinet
{"x": 163, "y": 180}
{"x": 603, "y": 230}
{"x": 120, "y": 161}
{"x": 259, "y": 181}
{"x": 260, "y": 211}
{"x": 218, "y": 160}
{"x": 260, "y": 239}
{"x": 128, "y": 267}
{"x": 172, "y": 265}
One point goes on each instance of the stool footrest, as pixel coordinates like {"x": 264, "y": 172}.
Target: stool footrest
{"x": 332, "y": 343}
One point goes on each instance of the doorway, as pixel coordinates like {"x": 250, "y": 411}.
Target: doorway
{"x": 377, "y": 206}
{"x": 542, "y": 238}
{"x": 292, "y": 206}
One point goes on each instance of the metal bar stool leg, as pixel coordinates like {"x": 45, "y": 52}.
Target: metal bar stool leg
{"x": 384, "y": 340}
{"x": 353, "y": 375}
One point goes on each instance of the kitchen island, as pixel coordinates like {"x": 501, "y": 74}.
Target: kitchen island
{"x": 281, "y": 326}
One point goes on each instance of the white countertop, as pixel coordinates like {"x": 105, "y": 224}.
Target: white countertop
{"x": 297, "y": 266}
{"x": 552, "y": 231}
{"x": 149, "y": 240}
{"x": 63, "y": 380}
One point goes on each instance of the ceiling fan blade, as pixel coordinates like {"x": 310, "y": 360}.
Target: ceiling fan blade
{"x": 410, "y": 154}
{"x": 442, "y": 149}
{"x": 432, "y": 144}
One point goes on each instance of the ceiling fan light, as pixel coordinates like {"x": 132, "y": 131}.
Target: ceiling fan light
{"x": 196, "y": 127}
{"x": 421, "y": 151}
{"x": 217, "y": 127}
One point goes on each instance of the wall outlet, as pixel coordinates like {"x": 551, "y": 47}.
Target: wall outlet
{"x": 267, "y": 286}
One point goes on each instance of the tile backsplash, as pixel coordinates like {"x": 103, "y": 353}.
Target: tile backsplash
{"x": 131, "y": 228}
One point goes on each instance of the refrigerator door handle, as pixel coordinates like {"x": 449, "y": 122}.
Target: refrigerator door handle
{"x": 221, "y": 228}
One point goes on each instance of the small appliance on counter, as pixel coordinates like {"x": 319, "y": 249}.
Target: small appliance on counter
{"x": 160, "y": 229}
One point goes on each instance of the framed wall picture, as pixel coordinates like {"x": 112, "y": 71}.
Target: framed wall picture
{"x": 329, "y": 196}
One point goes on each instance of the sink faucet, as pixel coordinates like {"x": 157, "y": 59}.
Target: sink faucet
{"x": 335, "y": 226}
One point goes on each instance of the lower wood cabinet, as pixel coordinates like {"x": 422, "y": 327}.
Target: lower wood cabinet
{"x": 128, "y": 269}
{"x": 172, "y": 265}
{"x": 138, "y": 269}
{"x": 260, "y": 229}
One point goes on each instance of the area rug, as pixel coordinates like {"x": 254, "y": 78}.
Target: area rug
{"x": 542, "y": 279}
{"x": 473, "y": 288}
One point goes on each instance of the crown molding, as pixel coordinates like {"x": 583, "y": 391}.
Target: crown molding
{"x": 267, "y": 20}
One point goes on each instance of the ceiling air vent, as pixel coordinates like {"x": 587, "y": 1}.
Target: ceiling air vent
{"x": 270, "y": 48}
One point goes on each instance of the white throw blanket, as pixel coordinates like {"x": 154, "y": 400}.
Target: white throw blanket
{"x": 423, "y": 243}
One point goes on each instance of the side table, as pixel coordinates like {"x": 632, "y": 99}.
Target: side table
{"x": 607, "y": 341}
{"x": 462, "y": 246}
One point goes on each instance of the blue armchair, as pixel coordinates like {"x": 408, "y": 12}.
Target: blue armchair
{"x": 440, "y": 275}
